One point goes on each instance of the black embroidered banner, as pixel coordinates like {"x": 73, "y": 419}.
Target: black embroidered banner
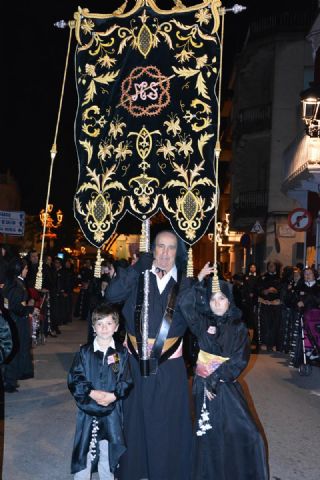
{"x": 147, "y": 117}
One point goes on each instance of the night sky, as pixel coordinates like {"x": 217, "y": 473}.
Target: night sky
{"x": 33, "y": 53}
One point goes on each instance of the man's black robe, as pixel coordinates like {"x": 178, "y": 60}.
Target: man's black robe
{"x": 157, "y": 412}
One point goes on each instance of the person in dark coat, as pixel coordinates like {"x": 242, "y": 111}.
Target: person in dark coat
{"x": 3, "y": 264}
{"x": 250, "y": 297}
{"x": 20, "y": 307}
{"x": 85, "y": 277}
{"x": 157, "y": 421}
{"x": 58, "y": 297}
{"x": 98, "y": 380}
{"x": 5, "y": 339}
{"x": 227, "y": 443}
{"x": 308, "y": 291}
{"x": 270, "y": 309}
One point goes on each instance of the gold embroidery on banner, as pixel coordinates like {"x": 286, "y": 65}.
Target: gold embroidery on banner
{"x": 100, "y": 209}
{"x": 146, "y": 92}
{"x": 190, "y": 205}
{"x": 144, "y": 189}
{"x": 144, "y": 40}
{"x": 89, "y": 115}
{"x": 173, "y": 124}
{"x": 82, "y": 15}
{"x": 203, "y": 16}
{"x": 98, "y": 212}
{"x": 144, "y": 144}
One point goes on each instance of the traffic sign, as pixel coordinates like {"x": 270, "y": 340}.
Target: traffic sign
{"x": 12, "y": 223}
{"x": 300, "y": 219}
{"x": 257, "y": 228}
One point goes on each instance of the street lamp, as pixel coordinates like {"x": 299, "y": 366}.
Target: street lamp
{"x": 310, "y": 100}
{"x": 46, "y": 219}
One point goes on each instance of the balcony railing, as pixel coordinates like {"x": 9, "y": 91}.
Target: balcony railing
{"x": 254, "y": 119}
{"x": 251, "y": 203}
{"x": 285, "y": 22}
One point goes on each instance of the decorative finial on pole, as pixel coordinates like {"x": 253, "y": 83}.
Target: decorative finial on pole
{"x": 236, "y": 8}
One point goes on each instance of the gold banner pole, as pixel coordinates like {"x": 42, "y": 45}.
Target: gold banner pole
{"x": 53, "y": 153}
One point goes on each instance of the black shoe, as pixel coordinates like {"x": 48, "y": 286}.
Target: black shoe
{"x": 26, "y": 376}
{"x": 58, "y": 331}
{"x": 10, "y": 389}
{"x": 52, "y": 334}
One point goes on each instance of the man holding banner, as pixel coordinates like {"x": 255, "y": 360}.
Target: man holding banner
{"x": 157, "y": 419}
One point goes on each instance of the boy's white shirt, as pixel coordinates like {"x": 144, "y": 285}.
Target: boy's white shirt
{"x": 97, "y": 347}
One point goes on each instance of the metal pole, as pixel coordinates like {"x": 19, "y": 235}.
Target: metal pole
{"x": 144, "y": 361}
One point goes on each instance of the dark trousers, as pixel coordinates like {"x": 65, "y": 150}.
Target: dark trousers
{"x": 270, "y": 319}
{"x": 20, "y": 365}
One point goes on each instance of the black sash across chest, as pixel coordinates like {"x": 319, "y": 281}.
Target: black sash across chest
{"x": 156, "y": 357}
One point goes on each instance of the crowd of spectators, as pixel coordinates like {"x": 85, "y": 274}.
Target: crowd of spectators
{"x": 272, "y": 304}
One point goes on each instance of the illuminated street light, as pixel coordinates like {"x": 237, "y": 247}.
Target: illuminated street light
{"x": 48, "y": 220}
{"x": 310, "y": 99}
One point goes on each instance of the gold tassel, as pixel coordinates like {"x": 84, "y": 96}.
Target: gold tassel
{"x": 97, "y": 267}
{"x": 215, "y": 280}
{"x": 190, "y": 263}
{"x": 38, "y": 284}
{"x": 142, "y": 241}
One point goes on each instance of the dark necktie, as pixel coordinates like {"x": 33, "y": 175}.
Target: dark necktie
{"x": 160, "y": 271}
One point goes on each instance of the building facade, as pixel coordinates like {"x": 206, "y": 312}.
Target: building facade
{"x": 269, "y": 76}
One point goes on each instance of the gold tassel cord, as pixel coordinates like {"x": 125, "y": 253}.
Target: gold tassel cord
{"x": 97, "y": 267}
{"x": 190, "y": 270}
{"x": 53, "y": 153}
{"x": 217, "y": 151}
{"x": 142, "y": 240}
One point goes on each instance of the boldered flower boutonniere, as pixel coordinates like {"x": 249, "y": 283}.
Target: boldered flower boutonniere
{"x": 114, "y": 361}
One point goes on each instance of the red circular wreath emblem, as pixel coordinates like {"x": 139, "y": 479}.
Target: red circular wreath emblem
{"x": 145, "y": 91}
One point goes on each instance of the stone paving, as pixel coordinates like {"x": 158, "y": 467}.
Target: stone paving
{"x": 40, "y": 419}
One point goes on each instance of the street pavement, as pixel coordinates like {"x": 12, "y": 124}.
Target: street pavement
{"x": 39, "y": 420}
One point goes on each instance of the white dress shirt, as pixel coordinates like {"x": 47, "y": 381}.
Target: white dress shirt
{"x": 162, "y": 282}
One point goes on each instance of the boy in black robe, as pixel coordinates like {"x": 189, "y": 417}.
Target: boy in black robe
{"x": 98, "y": 379}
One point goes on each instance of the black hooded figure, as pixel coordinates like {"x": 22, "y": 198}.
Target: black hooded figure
{"x": 227, "y": 443}
{"x": 19, "y": 306}
{"x": 157, "y": 421}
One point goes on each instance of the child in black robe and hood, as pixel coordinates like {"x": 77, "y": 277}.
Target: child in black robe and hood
{"x": 227, "y": 444}
{"x": 98, "y": 380}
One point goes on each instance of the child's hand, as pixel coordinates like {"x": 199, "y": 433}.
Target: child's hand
{"x": 108, "y": 398}
{"x": 203, "y": 370}
{"x": 102, "y": 398}
{"x": 207, "y": 270}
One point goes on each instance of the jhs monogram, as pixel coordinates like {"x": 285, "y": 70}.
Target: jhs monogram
{"x": 145, "y": 91}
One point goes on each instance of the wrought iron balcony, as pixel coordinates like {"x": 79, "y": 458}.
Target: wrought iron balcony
{"x": 250, "y": 204}
{"x": 254, "y": 119}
